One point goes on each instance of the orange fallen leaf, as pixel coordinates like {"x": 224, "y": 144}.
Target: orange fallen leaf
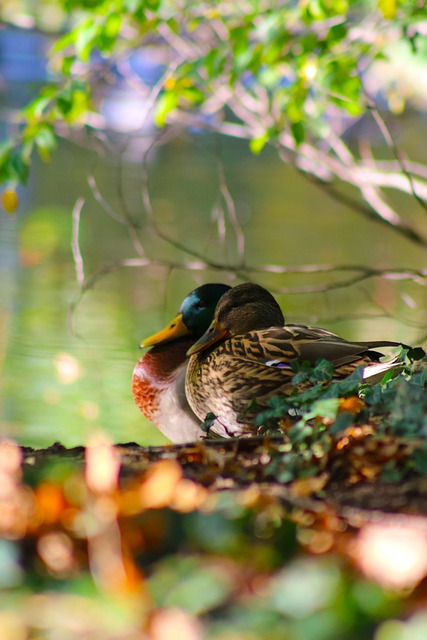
{"x": 306, "y": 486}
{"x": 354, "y": 404}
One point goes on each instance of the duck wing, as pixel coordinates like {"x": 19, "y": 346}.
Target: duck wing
{"x": 312, "y": 344}
{"x": 279, "y": 346}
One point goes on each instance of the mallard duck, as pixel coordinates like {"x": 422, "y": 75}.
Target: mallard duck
{"x": 158, "y": 379}
{"x": 246, "y": 354}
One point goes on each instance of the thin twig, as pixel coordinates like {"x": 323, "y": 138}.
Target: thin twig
{"x": 101, "y": 200}
{"x": 231, "y": 209}
{"x": 75, "y": 246}
{"x": 388, "y": 138}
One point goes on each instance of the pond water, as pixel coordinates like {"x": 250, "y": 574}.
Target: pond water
{"x": 66, "y": 361}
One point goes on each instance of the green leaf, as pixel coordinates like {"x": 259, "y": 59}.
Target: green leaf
{"x": 323, "y": 370}
{"x": 86, "y": 39}
{"x": 187, "y": 583}
{"x": 67, "y": 64}
{"x": 153, "y": 5}
{"x": 349, "y": 386}
{"x": 45, "y": 140}
{"x": 326, "y": 408}
{"x": 388, "y": 8}
{"x": 17, "y": 164}
{"x": 132, "y": 6}
{"x": 193, "y": 95}
{"x": 112, "y": 25}
{"x": 295, "y": 110}
{"x": 166, "y": 103}
{"x": 64, "y": 104}
{"x": 64, "y": 42}
{"x": 256, "y": 145}
{"x": 315, "y": 9}
{"x": 38, "y": 107}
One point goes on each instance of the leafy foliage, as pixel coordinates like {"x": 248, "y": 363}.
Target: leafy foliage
{"x": 402, "y": 403}
{"x": 297, "y": 59}
{"x": 397, "y": 406}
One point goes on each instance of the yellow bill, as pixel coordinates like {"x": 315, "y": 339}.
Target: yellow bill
{"x": 175, "y": 329}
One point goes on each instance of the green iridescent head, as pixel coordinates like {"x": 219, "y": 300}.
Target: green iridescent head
{"x": 194, "y": 316}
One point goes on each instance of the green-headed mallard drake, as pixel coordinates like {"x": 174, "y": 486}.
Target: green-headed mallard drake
{"x": 158, "y": 379}
{"x": 246, "y": 353}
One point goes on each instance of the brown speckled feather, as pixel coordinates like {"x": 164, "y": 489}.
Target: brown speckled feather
{"x": 223, "y": 378}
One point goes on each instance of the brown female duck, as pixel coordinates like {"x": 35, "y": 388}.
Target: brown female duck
{"x": 247, "y": 353}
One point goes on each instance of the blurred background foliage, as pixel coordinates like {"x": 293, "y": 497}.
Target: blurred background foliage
{"x": 180, "y": 186}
